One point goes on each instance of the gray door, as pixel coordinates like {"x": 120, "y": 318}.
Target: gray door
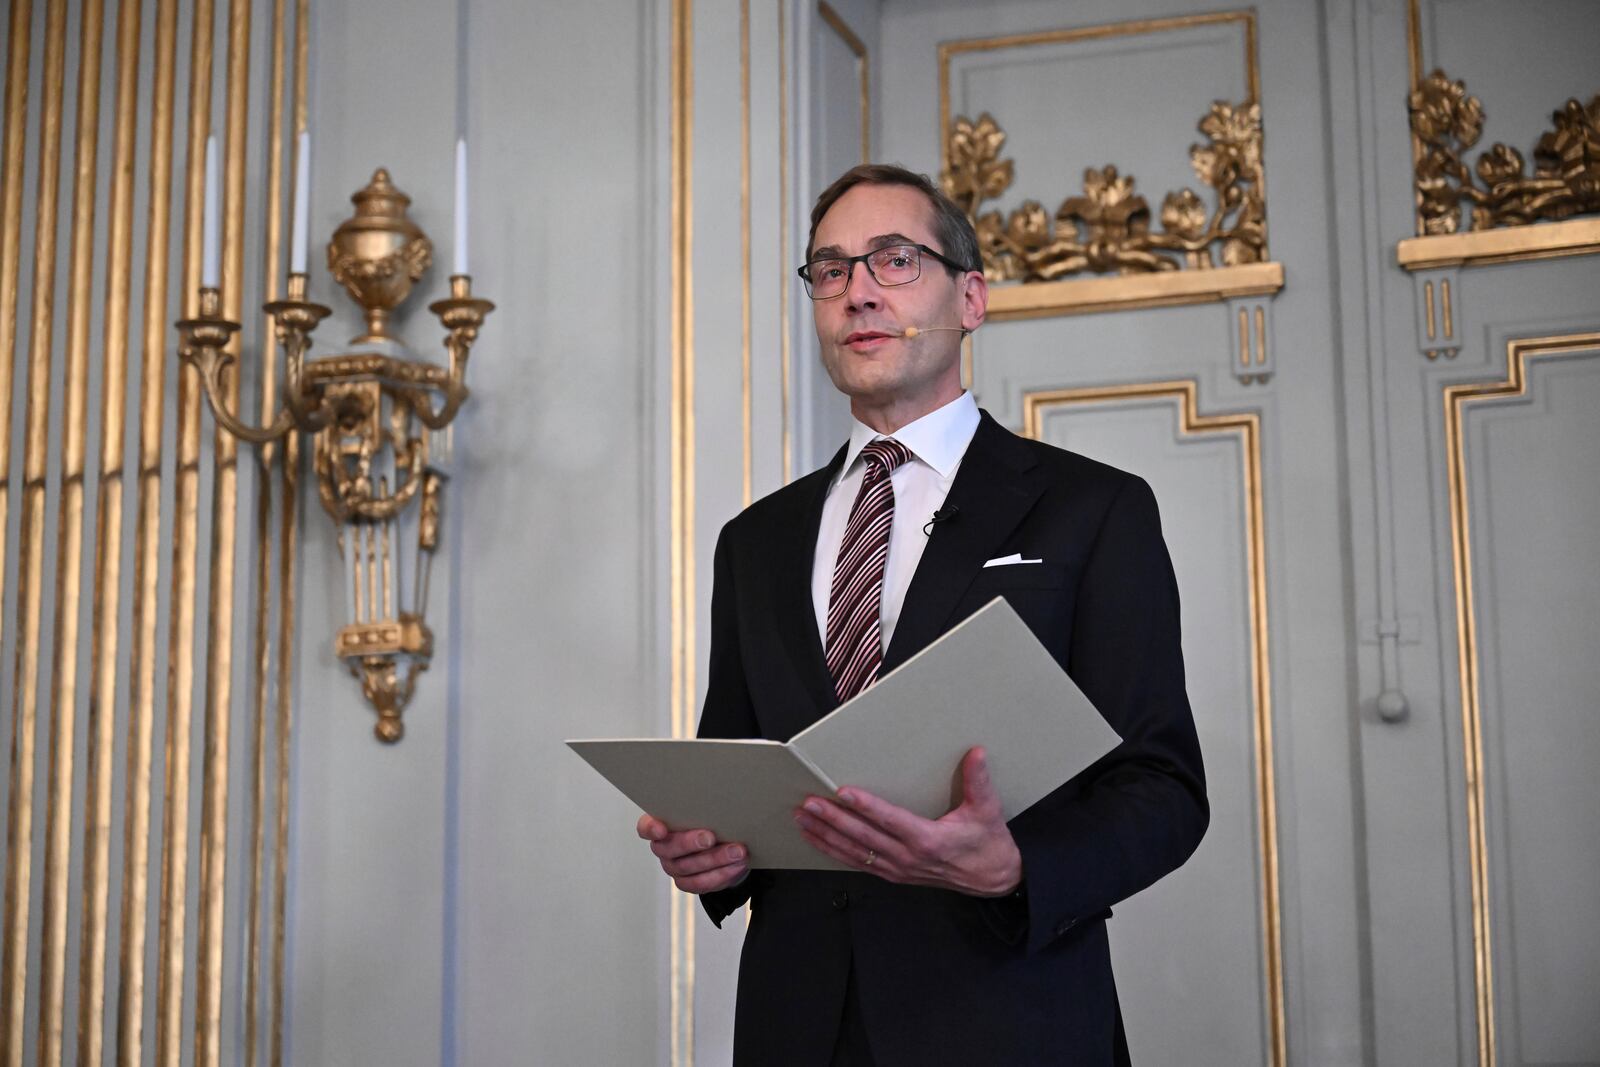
{"x": 1471, "y": 364}
{"x": 1372, "y": 479}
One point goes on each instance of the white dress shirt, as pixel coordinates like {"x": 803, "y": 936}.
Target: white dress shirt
{"x": 937, "y": 442}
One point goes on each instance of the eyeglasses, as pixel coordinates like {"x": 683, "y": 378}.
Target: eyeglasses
{"x": 891, "y": 265}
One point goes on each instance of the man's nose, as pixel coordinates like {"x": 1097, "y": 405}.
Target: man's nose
{"x": 863, "y": 291}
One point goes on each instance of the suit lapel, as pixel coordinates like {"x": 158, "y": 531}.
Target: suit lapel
{"x": 994, "y": 490}
{"x": 796, "y": 544}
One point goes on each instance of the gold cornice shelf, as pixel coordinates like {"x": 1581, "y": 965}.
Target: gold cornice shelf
{"x": 1545, "y": 240}
{"x": 1082, "y": 296}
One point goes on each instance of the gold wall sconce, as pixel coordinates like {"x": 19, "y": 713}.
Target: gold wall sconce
{"x": 374, "y": 414}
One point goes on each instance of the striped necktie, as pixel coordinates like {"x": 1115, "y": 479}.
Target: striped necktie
{"x": 855, "y": 644}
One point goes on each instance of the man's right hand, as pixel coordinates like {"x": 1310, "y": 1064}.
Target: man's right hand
{"x": 694, "y": 859}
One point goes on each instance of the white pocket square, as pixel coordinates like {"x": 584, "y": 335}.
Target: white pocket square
{"x": 1011, "y": 560}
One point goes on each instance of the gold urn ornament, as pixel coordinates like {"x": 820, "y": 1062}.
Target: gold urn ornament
{"x": 378, "y": 253}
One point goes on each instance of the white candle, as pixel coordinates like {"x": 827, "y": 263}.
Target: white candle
{"x": 461, "y": 207}
{"x": 211, "y": 223}
{"x": 302, "y": 194}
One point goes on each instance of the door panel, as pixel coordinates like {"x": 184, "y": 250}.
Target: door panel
{"x": 1208, "y": 1000}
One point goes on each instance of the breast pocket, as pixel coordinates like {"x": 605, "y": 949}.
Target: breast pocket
{"x": 1034, "y": 590}
{"x": 1020, "y": 576}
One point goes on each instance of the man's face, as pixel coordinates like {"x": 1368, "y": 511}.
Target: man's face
{"x": 860, "y": 331}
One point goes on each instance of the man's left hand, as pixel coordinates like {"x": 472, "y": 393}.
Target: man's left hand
{"x": 968, "y": 849}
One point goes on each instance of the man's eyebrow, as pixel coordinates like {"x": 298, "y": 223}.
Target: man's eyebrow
{"x": 882, "y": 240}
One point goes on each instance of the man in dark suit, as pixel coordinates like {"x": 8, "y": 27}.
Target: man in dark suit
{"x": 964, "y": 939}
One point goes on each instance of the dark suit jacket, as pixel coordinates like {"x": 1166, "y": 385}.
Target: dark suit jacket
{"x": 944, "y": 978}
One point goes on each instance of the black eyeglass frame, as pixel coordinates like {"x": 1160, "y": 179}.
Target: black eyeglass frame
{"x": 864, "y": 259}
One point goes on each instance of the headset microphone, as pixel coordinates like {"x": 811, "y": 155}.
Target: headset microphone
{"x": 912, "y": 331}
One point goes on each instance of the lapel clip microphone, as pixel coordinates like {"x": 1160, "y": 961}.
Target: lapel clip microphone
{"x": 944, "y": 514}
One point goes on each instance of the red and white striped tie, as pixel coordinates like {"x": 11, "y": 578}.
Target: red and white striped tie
{"x": 855, "y": 644}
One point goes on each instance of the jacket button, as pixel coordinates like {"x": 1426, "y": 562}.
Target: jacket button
{"x": 841, "y": 900}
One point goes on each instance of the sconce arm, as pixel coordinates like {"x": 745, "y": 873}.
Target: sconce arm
{"x": 455, "y": 394}
{"x": 461, "y": 314}
{"x": 209, "y": 362}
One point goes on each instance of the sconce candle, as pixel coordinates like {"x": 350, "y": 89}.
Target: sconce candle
{"x": 461, "y": 207}
{"x": 302, "y": 193}
{"x": 211, "y": 223}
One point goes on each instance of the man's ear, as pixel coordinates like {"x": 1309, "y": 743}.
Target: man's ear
{"x": 974, "y": 300}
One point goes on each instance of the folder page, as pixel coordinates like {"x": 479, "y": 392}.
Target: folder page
{"x": 743, "y": 790}
{"x": 987, "y": 682}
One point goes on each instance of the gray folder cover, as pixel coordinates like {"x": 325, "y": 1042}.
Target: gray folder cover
{"x": 987, "y": 682}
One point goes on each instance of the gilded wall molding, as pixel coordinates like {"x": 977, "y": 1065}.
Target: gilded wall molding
{"x": 1510, "y": 214}
{"x": 1101, "y": 250}
{"x": 1458, "y": 399}
{"x": 96, "y": 696}
{"x": 858, "y": 48}
{"x": 681, "y": 592}
{"x": 1244, "y": 426}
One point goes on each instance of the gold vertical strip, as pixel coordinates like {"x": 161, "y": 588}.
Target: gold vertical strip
{"x": 785, "y": 283}
{"x": 1247, "y": 427}
{"x": 865, "y": 63}
{"x": 1414, "y": 41}
{"x": 385, "y": 536}
{"x": 1261, "y": 335}
{"x": 1444, "y": 307}
{"x": 224, "y": 534}
{"x": 108, "y": 549}
{"x": 261, "y": 651}
{"x": 1260, "y": 669}
{"x": 287, "y": 549}
{"x": 744, "y": 235}
{"x": 30, "y": 548}
{"x": 1472, "y": 741}
{"x": 369, "y": 563}
{"x": 1252, "y": 65}
{"x": 12, "y": 156}
{"x": 147, "y": 552}
{"x": 682, "y": 584}
{"x": 1427, "y": 308}
{"x": 69, "y": 542}
{"x": 185, "y": 530}
{"x": 353, "y": 559}
{"x": 1244, "y": 338}
{"x": 1414, "y": 55}
{"x": 287, "y": 546}
{"x": 287, "y": 552}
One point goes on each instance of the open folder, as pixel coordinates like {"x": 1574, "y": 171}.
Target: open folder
{"x": 987, "y": 682}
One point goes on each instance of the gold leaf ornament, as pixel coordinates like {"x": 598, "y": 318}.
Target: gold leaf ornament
{"x": 1446, "y": 121}
{"x": 1107, "y": 228}
{"x": 1183, "y": 214}
{"x": 976, "y": 173}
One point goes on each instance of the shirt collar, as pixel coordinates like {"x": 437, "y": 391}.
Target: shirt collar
{"x": 939, "y": 438}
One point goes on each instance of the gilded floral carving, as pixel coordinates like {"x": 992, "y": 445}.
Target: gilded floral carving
{"x": 1447, "y": 122}
{"x": 1107, "y": 228}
